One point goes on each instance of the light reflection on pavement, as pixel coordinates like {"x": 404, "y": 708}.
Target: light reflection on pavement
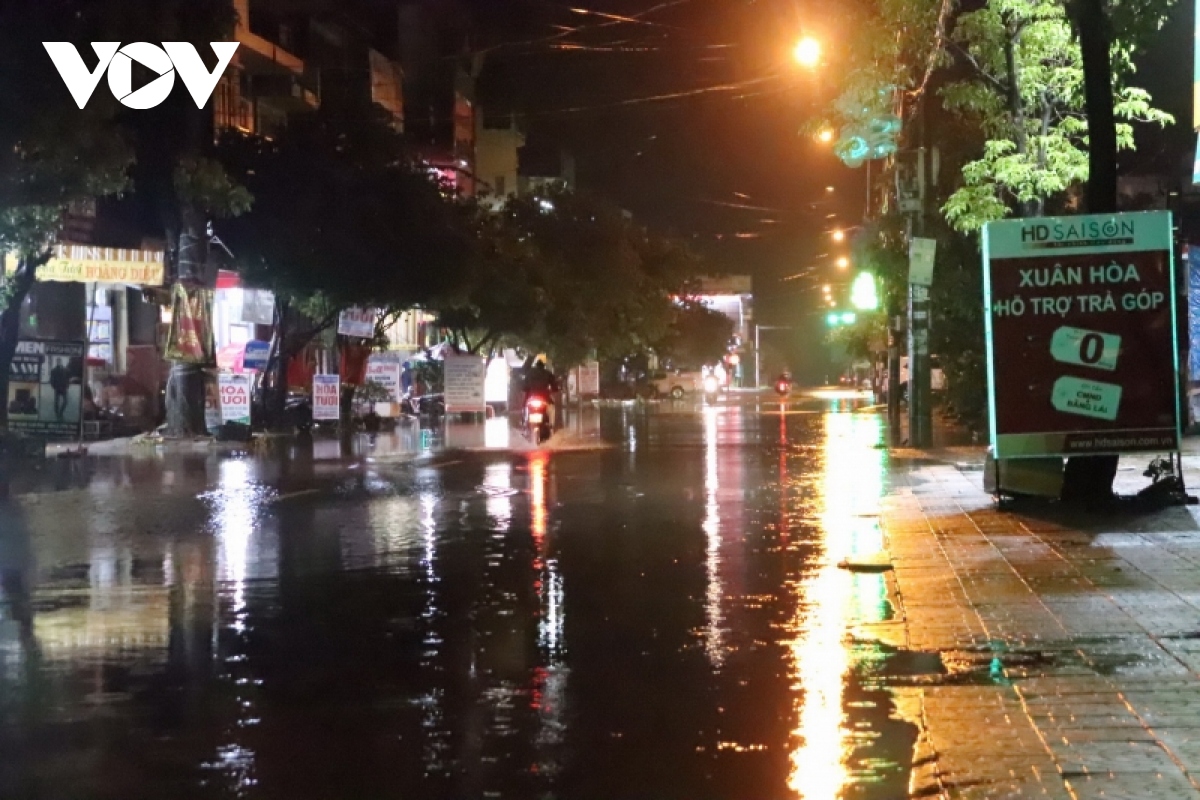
{"x": 661, "y": 619}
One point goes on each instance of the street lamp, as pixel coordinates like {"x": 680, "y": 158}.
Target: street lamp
{"x": 839, "y": 235}
{"x": 807, "y": 52}
{"x": 825, "y": 136}
{"x": 842, "y": 262}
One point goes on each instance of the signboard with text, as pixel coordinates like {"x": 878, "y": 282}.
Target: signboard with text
{"x": 464, "y": 381}
{"x": 357, "y": 322}
{"x": 326, "y": 402}
{"x": 384, "y": 369}
{"x": 235, "y": 397}
{"x": 45, "y": 388}
{"x": 589, "y": 379}
{"x": 1080, "y": 325}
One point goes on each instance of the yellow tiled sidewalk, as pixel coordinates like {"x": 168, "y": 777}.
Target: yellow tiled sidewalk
{"x": 1094, "y": 621}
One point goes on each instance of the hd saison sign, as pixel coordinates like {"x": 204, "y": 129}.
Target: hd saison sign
{"x": 1080, "y": 325}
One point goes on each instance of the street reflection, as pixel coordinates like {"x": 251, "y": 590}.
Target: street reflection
{"x": 851, "y": 486}
{"x": 548, "y": 694}
{"x": 714, "y": 644}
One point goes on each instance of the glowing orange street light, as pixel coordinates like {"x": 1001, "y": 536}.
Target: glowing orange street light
{"x": 825, "y": 136}
{"x": 843, "y": 262}
{"x": 839, "y": 235}
{"x": 807, "y": 52}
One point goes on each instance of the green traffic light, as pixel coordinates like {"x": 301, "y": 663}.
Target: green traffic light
{"x": 848, "y": 318}
{"x": 832, "y": 319}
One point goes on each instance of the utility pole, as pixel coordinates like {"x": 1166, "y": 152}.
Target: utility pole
{"x": 920, "y": 416}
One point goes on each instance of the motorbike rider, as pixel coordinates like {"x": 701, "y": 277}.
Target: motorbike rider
{"x": 540, "y": 382}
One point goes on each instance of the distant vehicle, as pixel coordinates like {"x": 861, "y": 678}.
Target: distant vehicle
{"x": 937, "y": 378}
{"x": 677, "y": 383}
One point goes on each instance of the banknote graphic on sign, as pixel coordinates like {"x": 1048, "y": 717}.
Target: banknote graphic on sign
{"x": 1080, "y": 321}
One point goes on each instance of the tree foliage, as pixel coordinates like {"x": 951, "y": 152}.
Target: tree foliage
{"x": 1025, "y": 92}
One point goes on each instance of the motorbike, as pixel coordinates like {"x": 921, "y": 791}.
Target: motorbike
{"x": 298, "y": 411}
{"x": 425, "y": 405}
{"x": 712, "y": 388}
{"x": 537, "y": 418}
{"x": 783, "y": 386}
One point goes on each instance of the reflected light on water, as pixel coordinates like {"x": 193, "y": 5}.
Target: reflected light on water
{"x": 237, "y": 504}
{"x": 851, "y": 486}
{"x": 548, "y": 695}
{"x": 714, "y": 635}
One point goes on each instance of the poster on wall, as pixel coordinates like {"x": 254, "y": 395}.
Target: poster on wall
{"x": 326, "y": 397}
{"x": 1080, "y": 331}
{"x": 465, "y": 378}
{"x": 45, "y": 388}
{"x": 235, "y": 397}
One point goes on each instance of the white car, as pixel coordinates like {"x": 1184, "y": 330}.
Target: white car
{"x": 677, "y": 383}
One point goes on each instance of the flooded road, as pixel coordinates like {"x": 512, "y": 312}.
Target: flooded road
{"x": 662, "y": 619}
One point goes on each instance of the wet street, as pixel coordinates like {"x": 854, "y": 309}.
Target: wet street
{"x": 664, "y": 618}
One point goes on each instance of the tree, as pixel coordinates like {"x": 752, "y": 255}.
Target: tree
{"x": 52, "y": 153}
{"x": 342, "y": 217}
{"x": 1026, "y": 93}
{"x": 569, "y": 276}
{"x": 698, "y": 335}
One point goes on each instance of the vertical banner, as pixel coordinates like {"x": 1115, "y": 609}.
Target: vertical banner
{"x": 235, "y": 397}
{"x": 45, "y": 388}
{"x": 326, "y": 397}
{"x": 190, "y": 339}
{"x": 589, "y": 379}
{"x": 212, "y": 402}
{"x": 465, "y": 377}
{"x": 1080, "y": 325}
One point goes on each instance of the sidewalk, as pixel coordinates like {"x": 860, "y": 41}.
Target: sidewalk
{"x": 1071, "y": 641}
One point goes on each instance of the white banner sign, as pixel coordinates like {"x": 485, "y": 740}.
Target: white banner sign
{"x": 235, "y": 397}
{"x": 326, "y": 397}
{"x": 359, "y": 322}
{"x": 589, "y": 378}
{"x": 921, "y": 254}
{"x": 464, "y": 382}
{"x": 385, "y": 371}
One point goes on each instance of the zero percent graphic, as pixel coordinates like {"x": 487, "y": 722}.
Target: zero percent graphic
{"x": 1085, "y": 348}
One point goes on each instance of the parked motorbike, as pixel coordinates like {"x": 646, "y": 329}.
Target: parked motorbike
{"x": 537, "y": 418}
{"x": 425, "y": 405}
{"x": 298, "y": 411}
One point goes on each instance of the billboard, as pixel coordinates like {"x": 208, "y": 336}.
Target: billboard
{"x": 357, "y": 322}
{"x": 1080, "y": 327}
{"x": 235, "y": 397}
{"x": 326, "y": 404}
{"x": 45, "y": 388}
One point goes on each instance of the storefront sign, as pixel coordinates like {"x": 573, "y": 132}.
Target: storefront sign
{"x": 1081, "y": 335}
{"x": 464, "y": 380}
{"x": 256, "y": 355}
{"x": 326, "y": 397}
{"x": 76, "y": 263}
{"x": 235, "y": 397}
{"x": 359, "y": 322}
{"x": 384, "y": 370}
{"x": 45, "y": 388}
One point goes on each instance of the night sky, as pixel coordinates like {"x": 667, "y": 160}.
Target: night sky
{"x": 688, "y": 113}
